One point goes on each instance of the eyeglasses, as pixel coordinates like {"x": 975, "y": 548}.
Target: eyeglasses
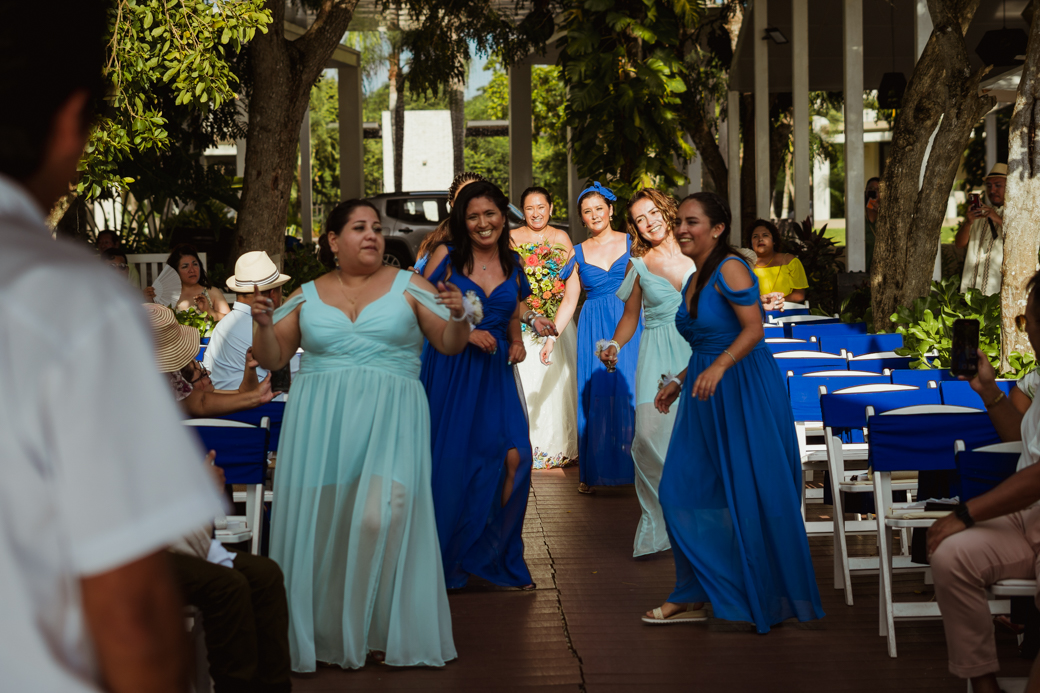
{"x": 1020, "y": 323}
{"x": 202, "y": 373}
{"x": 119, "y": 265}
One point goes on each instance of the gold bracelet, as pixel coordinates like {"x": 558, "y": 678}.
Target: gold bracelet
{"x": 726, "y": 352}
{"x": 997, "y": 400}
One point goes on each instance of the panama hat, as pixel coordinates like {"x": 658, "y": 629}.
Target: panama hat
{"x": 255, "y": 268}
{"x": 175, "y": 345}
{"x": 999, "y": 171}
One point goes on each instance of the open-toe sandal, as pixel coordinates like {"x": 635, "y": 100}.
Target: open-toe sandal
{"x": 687, "y": 615}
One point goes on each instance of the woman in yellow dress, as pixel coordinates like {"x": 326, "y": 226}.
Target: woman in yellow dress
{"x": 781, "y": 276}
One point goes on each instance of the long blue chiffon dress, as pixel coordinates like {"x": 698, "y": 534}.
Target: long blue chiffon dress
{"x": 606, "y": 401}
{"x": 730, "y": 489}
{"x": 477, "y": 416}
{"x": 352, "y": 526}
{"x": 662, "y": 350}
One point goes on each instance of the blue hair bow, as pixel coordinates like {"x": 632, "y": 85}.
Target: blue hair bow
{"x": 599, "y": 189}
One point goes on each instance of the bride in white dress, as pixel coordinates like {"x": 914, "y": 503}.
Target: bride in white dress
{"x": 549, "y": 382}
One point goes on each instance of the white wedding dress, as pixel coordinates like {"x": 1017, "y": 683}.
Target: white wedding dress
{"x": 552, "y": 399}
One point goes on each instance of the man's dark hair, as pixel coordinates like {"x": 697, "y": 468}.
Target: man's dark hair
{"x": 112, "y": 253}
{"x": 45, "y": 57}
{"x": 871, "y": 180}
{"x": 106, "y": 232}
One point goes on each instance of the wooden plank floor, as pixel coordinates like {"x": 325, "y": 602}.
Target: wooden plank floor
{"x": 580, "y": 630}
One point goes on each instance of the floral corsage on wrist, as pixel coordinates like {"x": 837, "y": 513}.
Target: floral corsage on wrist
{"x": 601, "y": 346}
{"x": 668, "y": 378}
{"x": 473, "y": 310}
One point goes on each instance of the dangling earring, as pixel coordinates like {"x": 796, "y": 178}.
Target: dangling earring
{"x": 336, "y": 259}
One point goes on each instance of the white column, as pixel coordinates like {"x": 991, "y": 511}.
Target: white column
{"x": 821, "y": 190}
{"x": 694, "y": 171}
{"x": 306, "y": 208}
{"x": 578, "y": 232}
{"x": 733, "y": 160}
{"x": 922, "y": 27}
{"x": 351, "y": 134}
{"x": 240, "y": 157}
{"x": 800, "y": 95}
{"x": 521, "y": 158}
{"x": 991, "y": 141}
{"x": 763, "y": 186}
{"x": 855, "y": 224}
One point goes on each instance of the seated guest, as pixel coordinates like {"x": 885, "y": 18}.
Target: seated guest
{"x": 245, "y": 614}
{"x": 178, "y": 345}
{"x": 994, "y": 536}
{"x": 195, "y": 287}
{"x": 233, "y": 336}
{"x": 116, "y": 259}
{"x": 781, "y": 276}
{"x": 105, "y": 240}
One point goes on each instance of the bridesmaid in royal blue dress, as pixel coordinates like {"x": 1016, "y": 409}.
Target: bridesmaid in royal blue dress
{"x": 606, "y": 400}
{"x": 730, "y": 487}
{"x": 481, "y": 446}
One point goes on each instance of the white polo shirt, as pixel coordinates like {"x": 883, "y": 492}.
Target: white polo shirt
{"x": 96, "y": 470}
{"x": 225, "y": 357}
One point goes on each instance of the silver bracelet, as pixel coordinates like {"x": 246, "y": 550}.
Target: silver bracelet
{"x": 462, "y": 319}
{"x": 726, "y": 352}
{"x": 529, "y": 318}
{"x": 615, "y": 345}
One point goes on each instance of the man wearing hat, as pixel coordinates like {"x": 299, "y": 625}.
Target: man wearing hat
{"x": 983, "y": 234}
{"x": 225, "y": 356}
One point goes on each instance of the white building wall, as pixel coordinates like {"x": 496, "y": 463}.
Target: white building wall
{"x": 428, "y": 157}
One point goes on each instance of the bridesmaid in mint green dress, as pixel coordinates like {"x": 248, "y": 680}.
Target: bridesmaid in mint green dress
{"x": 352, "y": 525}
{"x": 653, "y": 279}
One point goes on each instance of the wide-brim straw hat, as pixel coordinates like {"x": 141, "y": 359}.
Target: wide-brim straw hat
{"x": 999, "y": 171}
{"x": 255, "y": 269}
{"x": 176, "y": 345}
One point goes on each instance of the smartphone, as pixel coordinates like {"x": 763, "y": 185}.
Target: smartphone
{"x": 964, "y": 356}
{"x": 976, "y": 201}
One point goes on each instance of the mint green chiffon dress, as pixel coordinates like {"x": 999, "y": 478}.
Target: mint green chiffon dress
{"x": 352, "y": 524}
{"x": 662, "y": 350}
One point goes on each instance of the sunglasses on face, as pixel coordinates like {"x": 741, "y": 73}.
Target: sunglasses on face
{"x": 199, "y": 374}
{"x": 119, "y": 265}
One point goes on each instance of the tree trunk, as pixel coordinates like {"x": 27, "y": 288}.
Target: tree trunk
{"x": 943, "y": 93}
{"x": 283, "y": 74}
{"x": 396, "y": 80}
{"x": 457, "y": 104}
{"x": 1022, "y": 205}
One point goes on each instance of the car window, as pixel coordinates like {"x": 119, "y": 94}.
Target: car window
{"x": 417, "y": 210}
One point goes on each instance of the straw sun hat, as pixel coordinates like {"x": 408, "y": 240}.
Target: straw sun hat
{"x": 175, "y": 345}
{"x": 255, "y": 268}
{"x": 999, "y": 171}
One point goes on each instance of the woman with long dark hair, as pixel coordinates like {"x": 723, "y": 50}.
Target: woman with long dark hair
{"x": 781, "y": 276}
{"x": 196, "y": 291}
{"x": 441, "y": 234}
{"x": 730, "y": 487}
{"x": 352, "y": 521}
{"x": 481, "y": 447}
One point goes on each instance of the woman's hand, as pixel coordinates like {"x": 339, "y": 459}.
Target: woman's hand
{"x": 517, "y": 352}
{"x": 704, "y": 386}
{"x": 546, "y": 352}
{"x": 483, "y": 340}
{"x": 263, "y": 392}
{"x": 773, "y": 301}
{"x": 201, "y": 302}
{"x": 149, "y": 293}
{"x": 609, "y": 356}
{"x": 666, "y": 396}
{"x": 543, "y": 327}
{"x": 943, "y": 527}
{"x": 262, "y": 309}
{"x": 449, "y": 296}
{"x": 985, "y": 381}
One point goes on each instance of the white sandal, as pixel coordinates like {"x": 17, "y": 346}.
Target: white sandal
{"x": 687, "y": 615}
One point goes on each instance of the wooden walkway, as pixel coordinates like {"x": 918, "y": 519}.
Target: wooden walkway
{"x": 580, "y": 630}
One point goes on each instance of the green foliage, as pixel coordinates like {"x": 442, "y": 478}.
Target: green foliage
{"x": 927, "y": 327}
{"x": 179, "y": 47}
{"x": 200, "y": 321}
{"x": 623, "y": 64}
{"x": 301, "y": 263}
{"x": 822, "y": 261}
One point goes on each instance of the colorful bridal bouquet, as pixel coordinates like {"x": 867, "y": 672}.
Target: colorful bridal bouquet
{"x": 542, "y": 264}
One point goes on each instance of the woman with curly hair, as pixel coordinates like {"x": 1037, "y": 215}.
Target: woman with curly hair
{"x": 654, "y": 279}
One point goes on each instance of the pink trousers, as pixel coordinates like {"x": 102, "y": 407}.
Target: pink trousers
{"x": 963, "y": 566}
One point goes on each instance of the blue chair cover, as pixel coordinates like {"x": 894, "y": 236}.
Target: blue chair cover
{"x": 774, "y": 314}
{"x": 241, "y": 452}
{"x": 805, "y": 392}
{"x": 982, "y": 471}
{"x": 920, "y": 377}
{"x": 924, "y": 442}
{"x": 849, "y": 411}
{"x": 959, "y": 392}
{"x": 823, "y": 328}
{"x": 202, "y": 352}
{"x": 878, "y": 365}
{"x": 860, "y": 344}
{"x": 275, "y": 411}
{"x": 780, "y": 347}
{"x": 810, "y": 364}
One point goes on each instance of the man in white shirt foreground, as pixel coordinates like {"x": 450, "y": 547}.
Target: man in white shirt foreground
{"x": 226, "y": 354}
{"x": 87, "y": 600}
{"x": 991, "y": 537}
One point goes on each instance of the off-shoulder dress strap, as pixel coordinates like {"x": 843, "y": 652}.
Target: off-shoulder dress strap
{"x": 294, "y": 302}
{"x": 741, "y": 297}
{"x": 424, "y": 297}
{"x": 638, "y": 267}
